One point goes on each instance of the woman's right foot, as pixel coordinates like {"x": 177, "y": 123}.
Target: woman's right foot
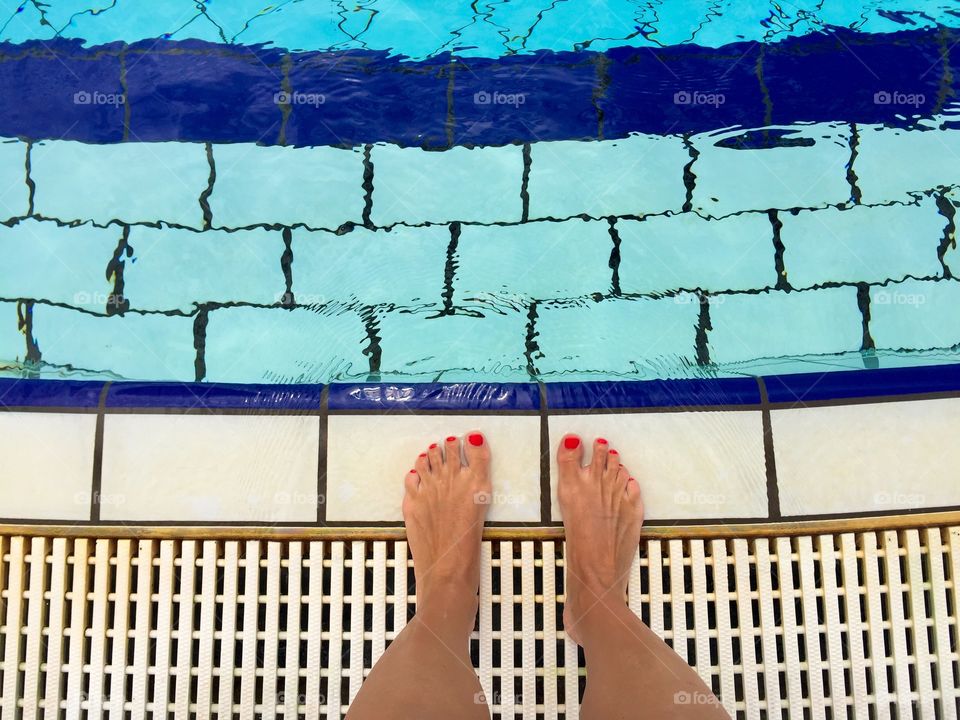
{"x": 602, "y": 516}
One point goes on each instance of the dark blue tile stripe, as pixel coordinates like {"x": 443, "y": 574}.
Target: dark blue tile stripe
{"x": 207, "y": 92}
{"x": 490, "y": 397}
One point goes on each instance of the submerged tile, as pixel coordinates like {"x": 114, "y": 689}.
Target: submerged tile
{"x": 197, "y": 468}
{"x": 365, "y": 478}
{"x": 876, "y": 457}
{"x": 52, "y": 455}
{"x": 915, "y": 315}
{"x": 690, "y": 465}
{"x": 14, "y": 194}
{"x": 887, "y": 166}
{"x": 12, "y": 344}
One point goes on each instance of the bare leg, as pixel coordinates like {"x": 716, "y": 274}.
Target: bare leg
{"x": 426, "y": 672}
{"x": 631, "y": 673}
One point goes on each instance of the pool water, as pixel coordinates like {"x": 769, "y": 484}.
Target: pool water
{"x": 310, "y": 191}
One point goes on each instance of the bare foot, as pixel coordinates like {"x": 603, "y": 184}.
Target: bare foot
{"x": 444, "y": 507}
{"x": 602, "y": 517}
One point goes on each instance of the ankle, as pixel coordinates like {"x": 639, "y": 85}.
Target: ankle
{"x": 448, "y": 609}
{"x": 596, "y": 616}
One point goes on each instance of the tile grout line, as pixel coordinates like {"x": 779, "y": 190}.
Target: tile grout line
{"x": 96, "y": 483}
{"x": 322, "y": 456}
{"x": 546, "y": 503}
{"x": 770, "y": 461}
{"x": 525, "y": 183}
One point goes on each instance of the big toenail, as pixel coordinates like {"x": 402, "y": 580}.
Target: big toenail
{"x": 601, "y": 441}
{"x": 433, "y": 447}
{"x": 476, "y": 439}
{"x": 571, "y": 443}
{"x": 451, "y": 438}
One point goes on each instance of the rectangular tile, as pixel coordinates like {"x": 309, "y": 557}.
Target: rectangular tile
{"x": 867, "y": 458}
{"x": 274, "y": 345}
{"x": 432, "y": 396}
{"x": 169, "y": 179}
{"x": 480, "y": 184}
{"x": 862, "y": 244}
{"x": 58, "y": 263}
{"x": 319, "y": 187}
{"x": 213, "y": 396}
{"x": 690, "y": 465}
{"x": 915, "y": 315}
{"x": 576, "y": 251}
{"x": 492, "y": 344}
{"x": 33, "y": 392}
{"x": 52, "y": 455}
{"x": 199, "y": 468}
{"x": 637, "y": 175}
{"x": 132, "y": 346}
{"x": 12, "y": 345}
{"x": 689, "y": 252}
{"x": 14, "y": 194}
{"x": 401, "y": 266}
{"x": 653, "y": 393}
{"x": 176, "y": 269}
{"x": 805, "y": 168}
{"x": 878, "y": 382}
{"x": 780, "y": 324}
{"x": 617, "y": 336}
{"x": 886, "y": 166}
{"x": 365, "y": 482}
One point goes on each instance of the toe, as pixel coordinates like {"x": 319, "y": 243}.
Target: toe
{"x": 411, "y": 482}
{"x": 435, "y": 456}
{"x": 477, "y": 451}
{"x": 451, "y": 452}
{"x": 613, "y": 468}
{"x": 422, "y": 465}
{"x": 570, "y": 452}
{"x": 632, "y": 490}
{"x": 598, "y": 464}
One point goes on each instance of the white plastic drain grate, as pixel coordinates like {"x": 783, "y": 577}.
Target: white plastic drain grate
{"x": 831, "y": 626}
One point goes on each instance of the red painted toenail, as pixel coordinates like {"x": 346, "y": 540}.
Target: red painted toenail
{"x": 413, "y": 472}
{"x": 433, "y": 447}
{"x": 422, "y": 455}
{"x": 476, "y": 439}
{"x": 601, "y": 441}
{"x": 614, "y": 452}
{"x": 451, "y": 439}
{"x": 571, "y": 443}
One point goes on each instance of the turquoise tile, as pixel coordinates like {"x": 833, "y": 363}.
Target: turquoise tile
{"x": 425, "y": 345}
{"x": 643, "y": 338}
{"x": 862, "y": 244}
{"x": 887, "y": 167}
{"x": 297, "y": 26}
{"x": 468, "y": 184}
{"x": 784, "y": 324}
{"x": 128, "y": 347}
{"x": 562, "y": 26}
{"x": 61, "y": 264}
{"x": 175, "y": 269}
{"x": 132, "y": 21}
{"x": 12, "y": 344}
{"x": 403, "y": 265}
{"x": 272, "y": 345}
{"x": 535, "y": 260}
{"x": 14, "y": 196}
{"x": 915, "y": 315}
{"x": 75, "y": 181}
{"x": 637, "y": 175}
{"x": 729, "y": 180}
{"x": 688, "y": 252}
{"x": 23, "y": 24}
{"x": 315, "y": 187}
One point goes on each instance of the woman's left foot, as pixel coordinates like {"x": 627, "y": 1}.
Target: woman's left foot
{"x": 444, "y": 507}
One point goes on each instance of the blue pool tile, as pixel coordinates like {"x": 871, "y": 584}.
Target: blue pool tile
{"x": 75, "y": 181}
{"x": 806, "y": 167}
{"x": 57, "y": 263}
{"x": 273, "y": 345}
{"x": 132, "y": 346}
{"x": 12, "y": 343}
{"x": 14, "y": 195}
{"x": 862, "y": 383}
{"x": 70, "y": 98}
{"x": 315, "y": 187}
{"x": 781, "y": 324}
{"x": 425, "y": 344}
{"x": 862, "y": 244}
{"x": 676, "y": 393}
{"x": 576, "y": 252}
{"x": 238, "y": 92}
{"x": 623, "y": 337}
{"x": 915, "y": 315}
{"x": 175, "y": 269}
{"x": 214, "y": 396}
{"x": 432, "y": 396}
{"x": 401, "y": 266}
{"x": 398, "y": 102}
{"x": 467, "y": 184}
{"x": 634, "y": 176}
{"x": 686, "y": 251}
{"x": 16, "y": 392}
{"x": 514, "y": 98}
{"x": 887, "y": 167}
